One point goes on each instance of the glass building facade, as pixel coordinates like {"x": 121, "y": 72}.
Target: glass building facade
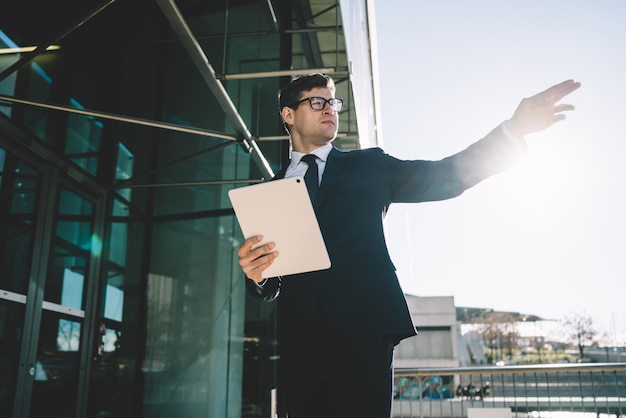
{"x": 120, "y": 290}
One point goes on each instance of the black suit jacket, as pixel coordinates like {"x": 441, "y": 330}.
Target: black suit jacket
{"x": 360, "y": 292}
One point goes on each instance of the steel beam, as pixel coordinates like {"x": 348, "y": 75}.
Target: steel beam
{"x": 199, "y": 58}
{"x": 119, "y": 118}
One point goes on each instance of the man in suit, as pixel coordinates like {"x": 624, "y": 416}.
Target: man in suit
{"x": 337, "y": 328}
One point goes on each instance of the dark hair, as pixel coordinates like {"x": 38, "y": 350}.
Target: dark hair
{"x": 290, "y": 94}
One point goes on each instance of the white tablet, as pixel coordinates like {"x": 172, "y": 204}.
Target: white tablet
{"x": 282, "y": 212}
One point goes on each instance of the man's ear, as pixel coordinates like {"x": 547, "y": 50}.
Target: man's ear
{"x": 287, "y": 114}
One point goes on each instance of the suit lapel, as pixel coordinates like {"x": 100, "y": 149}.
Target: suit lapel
{"x": 281, "y": 173}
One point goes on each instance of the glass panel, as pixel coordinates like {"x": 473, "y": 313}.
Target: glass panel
{"x": 84, "y": 134}
{"x": 71, "y": 251}
{"x": 7, "y": 85}
{"x": 11, "y": 331}
{"x": 260, "y": 357}
{"x": 58, "y": 349}
{"x": 193, "y": 362}
{"x": 56, "y": 370}
{"x": 19, "y": 186}
{"x": 124, "y": 168}
{"x": 113, "y": 390}
{"x": 35, "y": 120}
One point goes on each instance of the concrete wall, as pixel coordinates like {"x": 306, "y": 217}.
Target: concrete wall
{"x": 436, "y": 344}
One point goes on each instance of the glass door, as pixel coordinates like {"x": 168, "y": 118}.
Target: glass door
{"x": 60, "y": 339}
{"x": 19, "y": 187}
{"x": 49, "y": 261}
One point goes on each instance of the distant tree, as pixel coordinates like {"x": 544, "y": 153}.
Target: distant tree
{"x": 489, "y": 331}
{"x": 538, "y": 343}
{"x": 499, "y": 331}
{"x": 510, "y": 334}
{"x": 579, "y": 328}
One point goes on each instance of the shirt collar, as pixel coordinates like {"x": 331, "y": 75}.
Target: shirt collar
{"x": 321, "y": 153}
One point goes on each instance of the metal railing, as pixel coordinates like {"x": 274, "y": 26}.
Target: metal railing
{"x": 547, "y": 390}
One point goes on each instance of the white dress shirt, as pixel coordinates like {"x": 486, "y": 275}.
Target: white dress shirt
{"x": 298, "y": 167}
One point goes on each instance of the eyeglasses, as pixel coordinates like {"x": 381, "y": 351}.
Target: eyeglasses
{"x": 319, "y": 103}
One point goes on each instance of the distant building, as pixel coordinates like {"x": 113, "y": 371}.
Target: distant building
{"x": 440, "y": 341}
{"x": 437, "y": 342}
{"x": 471, "y": 349}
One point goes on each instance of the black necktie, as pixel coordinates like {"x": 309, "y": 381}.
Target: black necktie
{"x": 311, "y": 177}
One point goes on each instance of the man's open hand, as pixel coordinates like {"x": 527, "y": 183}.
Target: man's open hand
{"x": 542, "y": 110}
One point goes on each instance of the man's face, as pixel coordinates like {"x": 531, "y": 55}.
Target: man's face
{"x": 310, "y": 128}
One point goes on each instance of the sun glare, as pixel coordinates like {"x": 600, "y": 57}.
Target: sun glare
{"x": 542, "y": 189}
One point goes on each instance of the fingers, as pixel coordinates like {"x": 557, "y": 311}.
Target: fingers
{"x": 558, "y": 109}
{"x": 248, "y": 244}
{"x": 254, "y": 261}
{"x": 563, "y": 108}
{"x": 558, "y": 91}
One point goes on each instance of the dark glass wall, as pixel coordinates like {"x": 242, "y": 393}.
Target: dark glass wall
{"x": 167, "y": 333}
{"x": 122, "y": 292}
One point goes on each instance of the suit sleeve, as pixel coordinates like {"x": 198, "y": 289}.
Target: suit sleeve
{"x": 268, "y": 292}
{"x": 493, "y": 154}
{"x": 423, "y": 181}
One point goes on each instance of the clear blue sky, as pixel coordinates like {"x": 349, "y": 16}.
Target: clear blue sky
{"x": 547, "y": 237}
